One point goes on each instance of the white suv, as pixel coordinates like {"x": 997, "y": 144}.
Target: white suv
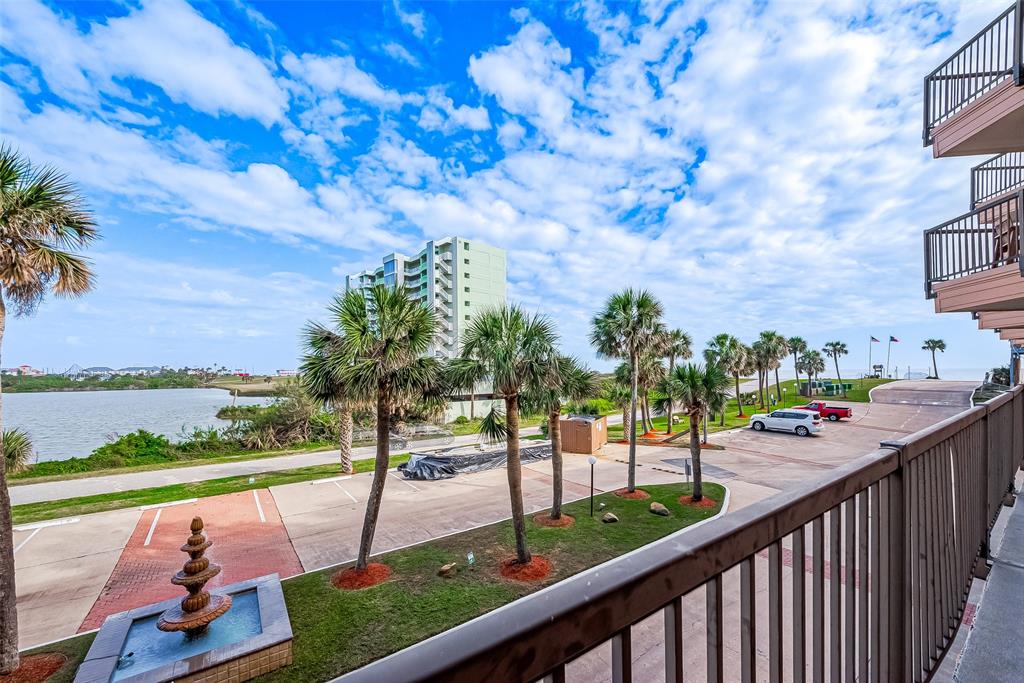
{"x": 799, "y": 422}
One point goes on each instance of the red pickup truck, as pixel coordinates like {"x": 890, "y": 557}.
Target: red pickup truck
{"x": 833, "y": 413}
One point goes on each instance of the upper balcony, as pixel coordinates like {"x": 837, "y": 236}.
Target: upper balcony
{"x": 972, "y": 263}
{"x": 997, "y": 178}
{"x": 974, "y": 101}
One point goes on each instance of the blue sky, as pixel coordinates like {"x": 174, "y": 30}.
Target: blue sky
{"x": 757, "y": 167}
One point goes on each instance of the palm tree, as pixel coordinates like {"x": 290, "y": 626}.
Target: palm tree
{"x": 776, "y": 347}
{"x": 618, "y": 394}
{"x": 934, "y": 345}
{"x": 17, "y": 446}
{"x": 836, "y": 349}
{"x": 383, "y": 334}
{"x": 796, "y": 346}
{"x": 675, "y": 345}
{"x": 514, "y": 351}
{"x": 628, "y": 325}
{"x": 44, "y": 225}
{"x": 567, "y": 379}
{"x": 763, "y": 357}
{"x": 320, "y": 379}
{"x": 699, "y": 388}
{"x": 812, "y": 364}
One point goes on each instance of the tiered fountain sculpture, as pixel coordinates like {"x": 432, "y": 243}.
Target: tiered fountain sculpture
{"x": 199, "y": 608}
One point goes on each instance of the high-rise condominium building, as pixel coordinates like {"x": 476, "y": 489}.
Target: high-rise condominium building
{"x": 457, "y": 276}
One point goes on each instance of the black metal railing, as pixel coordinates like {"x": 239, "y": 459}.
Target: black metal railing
{"x": 883, "y": 552}
{"x": 993, "y": 56}
{"x": 996, "y": 177}
{"x": 985, "y": 238}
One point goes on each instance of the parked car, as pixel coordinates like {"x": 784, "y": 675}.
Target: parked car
{"x": 799, "y": 422}
{"x": 831, "y": 413}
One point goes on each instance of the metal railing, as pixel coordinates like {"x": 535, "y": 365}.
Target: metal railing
{"x": 882, "y": 549}
{"x": 996, "y": 177}
{"x": 993, "y": 56}
{"x": 985, "y": 238}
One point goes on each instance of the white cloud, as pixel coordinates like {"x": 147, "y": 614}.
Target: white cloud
{"x": 400, "y": 53}
{"x": 440, "y": 113}
{"x": 416, "y": 22}
{"x": 165, "y": 42}
{"x": 332, "y": 74}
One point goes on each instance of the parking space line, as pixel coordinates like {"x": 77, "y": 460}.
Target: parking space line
{"x": 152, "y": 527}
{"x": 30, "y": 537}
{"x": 404, "y": 481}
{"x": 259, "y": 508}
{"x": 331, "y": 480}
{"x": 345, "y": 491}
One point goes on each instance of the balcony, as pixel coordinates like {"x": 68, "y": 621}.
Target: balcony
{"x": 863, "y": 575}
{"x": 972, "y": 262}
{"x": 974, "y": 101}
{"x": 997, "y": 178}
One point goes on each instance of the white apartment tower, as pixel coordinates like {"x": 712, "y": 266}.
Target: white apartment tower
{"x": 458, "y": 277}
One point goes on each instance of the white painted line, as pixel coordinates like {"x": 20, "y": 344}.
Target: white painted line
{"x": 52, "y": 522}
{"x": 404, "y": 481}
{"x": 152, "y": 527}
{"x": 345, "y": 491}
{"x": 259, "y": 508}
{"x": 30, "y": 537}
{"x": 331, "y": 479}
{"x": 167, "y": 505}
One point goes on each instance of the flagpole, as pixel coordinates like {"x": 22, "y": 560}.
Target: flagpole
{"x": 870, "y": 342}
{"x": 888, "y": 355}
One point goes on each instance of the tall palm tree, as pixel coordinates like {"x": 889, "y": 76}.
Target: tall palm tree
{"x": 675, "y": 345}
{"x": 514, "y": 351}
{"x": 650, "y": 371}
{"x": 812, "y": 364}
{"x": 628, "y": 325}
{"x": 776, "y": 347}
{"x": 44, "y": 225}
{"x": 567, "y": 379}
{"x": 836, "y": 349}
{"x": 618, "y": 394}
{"x": 934, "y": 345}
{"x": 699, "y": 389}
{"x": 763, "y": 357}
{"x": 796, "y": 346}
{"x": 383, "y": 335}
{"x": 321, "y": 380}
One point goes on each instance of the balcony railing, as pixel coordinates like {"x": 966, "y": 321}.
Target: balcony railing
{"x": 986, "y": 238}
{"x": 888, "y": 544}
{"x": 996, "y": 177}
{"x": 991, "y": 57}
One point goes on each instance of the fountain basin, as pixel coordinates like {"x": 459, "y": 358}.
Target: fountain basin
{"x": 252, "y": 638}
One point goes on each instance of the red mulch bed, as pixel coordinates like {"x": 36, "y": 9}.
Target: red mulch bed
{"x": 354, "y": 579}
{"x": 36, "y": 668}
{"x": 704, "y": 502}
{"x": 536, "y": 569}
{"x": 563, "y": 521}
{"x": 639, "y": 494}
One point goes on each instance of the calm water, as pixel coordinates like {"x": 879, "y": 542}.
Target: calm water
{"x": 73, "y": 423}
{"x": 151, "y": 647}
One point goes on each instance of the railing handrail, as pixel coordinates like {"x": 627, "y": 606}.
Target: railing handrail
{"x": 996, "y": 178}
{"x": 977, "y": 66}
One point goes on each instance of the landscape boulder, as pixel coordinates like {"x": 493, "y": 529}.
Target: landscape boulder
{"x": 609, "y": 518}
{"x": 448, "y": 571}
{"x": 659, "y": 509}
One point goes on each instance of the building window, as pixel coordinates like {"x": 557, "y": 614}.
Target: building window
{"x": 467, "y": 317}
{"x": 467, "y": 304}
{"x": 466, "y": 245}
{"x": 466, "y": 261}
{"x": 467, "y": 289}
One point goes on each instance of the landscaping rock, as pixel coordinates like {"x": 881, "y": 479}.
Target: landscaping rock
{"x": 609, "y": 518}
{"x": 659, "y": 509}
{"x": 448, "y": 571}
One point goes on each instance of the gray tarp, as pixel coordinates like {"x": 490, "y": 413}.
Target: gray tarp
{"x": 447, "y": 464}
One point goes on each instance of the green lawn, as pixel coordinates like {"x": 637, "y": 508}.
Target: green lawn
{"x": 337, "y": 631}
{"x": 74, "y": 648}
{"x": 859, "y": 394}
{"x": 69, "y": 507}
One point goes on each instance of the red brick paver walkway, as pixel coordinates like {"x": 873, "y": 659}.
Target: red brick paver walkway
{"x": 244, "y": 545}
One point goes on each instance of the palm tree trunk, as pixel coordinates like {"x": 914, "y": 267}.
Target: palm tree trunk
{"x": 671, "y": 368}
{"x": 739, "y": 399}
{"x": 760, "y": 390}
{"x": 796, "y": 370}
{"x": 380, "y": 473}
{"x": 705, "y": 423}
{"x": 626, "y": 422}
{"x": 8, "y": 600}
{"x": 935, "y": 367}
{"x": 631, "y": 476}
{"x": 515, "y": 477}
{"x": 839, "y": 377}
{"x": 778, "y": 387}
{"x": 645, "y": 414}
{"x": 554, "y": 433}
{"x": 345, "y": 437}
{"x": 695, "y": 453}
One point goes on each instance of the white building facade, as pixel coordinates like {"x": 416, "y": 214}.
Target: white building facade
{"x": 458, "y": 277}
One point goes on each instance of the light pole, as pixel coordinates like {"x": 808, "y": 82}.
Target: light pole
{"x": 784, "y": 404}
{"x": 593, "y": 461}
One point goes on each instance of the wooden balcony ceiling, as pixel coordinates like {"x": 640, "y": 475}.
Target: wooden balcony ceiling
{"x": 1012, "y": 334}
{"x": 998, "y": 289}
{"x": 997, "y": 320}
{"x": 993, "y": 124}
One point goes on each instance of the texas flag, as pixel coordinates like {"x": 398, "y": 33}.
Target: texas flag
{"x": 874, "y": 341}
{"x": 893, "y": 339}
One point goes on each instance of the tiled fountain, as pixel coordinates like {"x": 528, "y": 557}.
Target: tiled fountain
{"x": 234, "y": 634}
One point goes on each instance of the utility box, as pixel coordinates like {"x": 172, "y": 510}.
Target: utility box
{"x": 583, "y": 433}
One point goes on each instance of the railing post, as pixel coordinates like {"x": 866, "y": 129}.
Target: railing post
{"x": 898, "y": 575}
{"x": 1018, "y": 44}
{"x": 927, "y": 130}
{"x": 1020, "y": 228}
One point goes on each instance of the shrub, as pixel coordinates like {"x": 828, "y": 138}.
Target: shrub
{"x": 462, "y": 420}
{"x": 140, "y": 445}
{"x": 206, "y": 441}
{"x": 17, "y": 450}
